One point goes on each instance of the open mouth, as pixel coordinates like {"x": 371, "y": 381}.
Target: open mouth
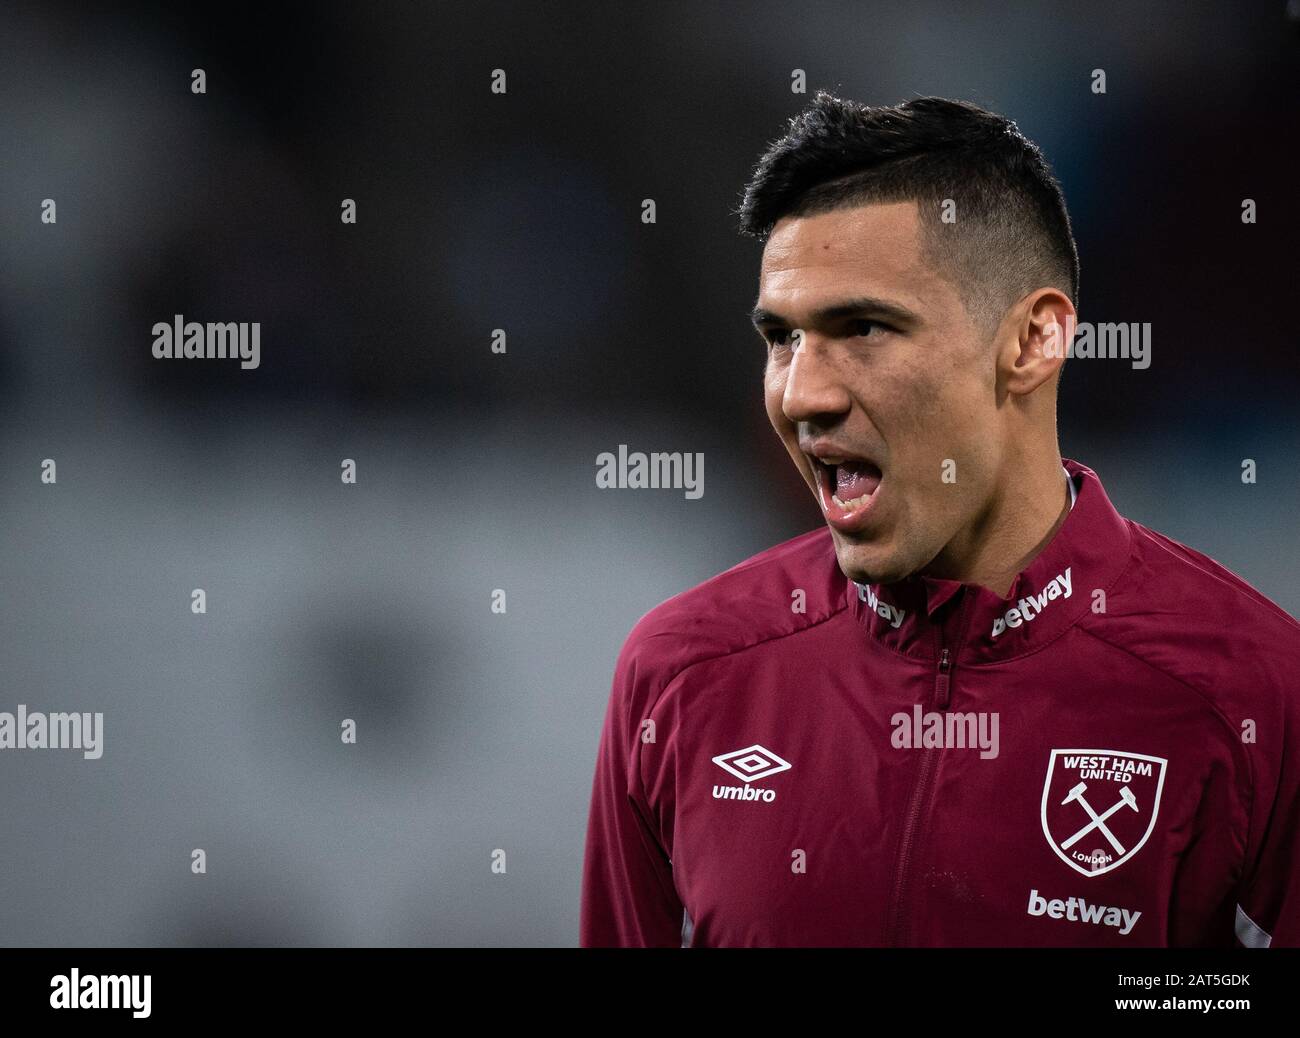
{"x": 847, "y": 487}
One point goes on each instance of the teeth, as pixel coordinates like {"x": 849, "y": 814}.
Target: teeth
{"x": 856, "y": 502}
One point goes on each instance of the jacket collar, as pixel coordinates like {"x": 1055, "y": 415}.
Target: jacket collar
{"x": 918, "y": 615}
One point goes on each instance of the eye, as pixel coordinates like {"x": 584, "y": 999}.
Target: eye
{"x": 778, "y": 337}
{"x": 862, "y": 327}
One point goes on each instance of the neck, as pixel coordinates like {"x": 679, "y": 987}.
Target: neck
{"x": 1018, "y": 522}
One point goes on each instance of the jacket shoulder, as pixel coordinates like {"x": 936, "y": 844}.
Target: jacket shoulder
{"x": 1199, "y": 570}
{"x": 778, "y": 592}
{"x": 1192, "y": 617}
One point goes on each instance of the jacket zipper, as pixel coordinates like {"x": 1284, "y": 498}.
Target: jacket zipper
{"x": 930, "y": 760}
{"x": 941, "y": 688}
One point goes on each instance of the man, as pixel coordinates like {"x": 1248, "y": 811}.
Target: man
{"x": 980, "y": 707}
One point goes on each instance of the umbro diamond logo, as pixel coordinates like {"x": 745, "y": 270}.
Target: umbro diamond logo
{"x": 750, "y": 764}
{"x": 753, "y": 762}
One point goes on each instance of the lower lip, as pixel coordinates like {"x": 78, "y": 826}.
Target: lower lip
{"x": 846, "y": 520}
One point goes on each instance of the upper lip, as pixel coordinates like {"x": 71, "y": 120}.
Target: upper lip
{"x": 827, "y": 452}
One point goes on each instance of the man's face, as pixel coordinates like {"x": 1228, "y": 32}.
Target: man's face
{"x": 887, "y": 400}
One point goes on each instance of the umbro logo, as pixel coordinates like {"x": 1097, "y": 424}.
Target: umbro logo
{"x": 753, "y": 762}
{"x": 749, "y": 765}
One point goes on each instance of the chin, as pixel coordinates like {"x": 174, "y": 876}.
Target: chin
{"x": 869, "y": 563}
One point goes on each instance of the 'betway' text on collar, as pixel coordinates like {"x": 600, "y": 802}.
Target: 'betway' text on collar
{"x": 881, "y": 608}
{"x": 1028, "y": 608}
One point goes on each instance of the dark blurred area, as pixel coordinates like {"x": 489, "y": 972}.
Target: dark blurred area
{"x": 519, "y": 211}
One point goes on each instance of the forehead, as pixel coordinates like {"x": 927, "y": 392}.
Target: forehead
{"x": 868, "y": 250}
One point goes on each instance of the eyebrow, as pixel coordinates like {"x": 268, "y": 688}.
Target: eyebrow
{"x": 838, "y": 311}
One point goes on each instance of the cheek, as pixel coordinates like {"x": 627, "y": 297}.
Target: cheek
{"x": 935, "y": 404}
{"x": 927, "y": 420}
{"x": 967, "y": 384}
{"x": 909, "y": 405}
{"x": 949, "y": 426}
{"x": 774, "y": 379}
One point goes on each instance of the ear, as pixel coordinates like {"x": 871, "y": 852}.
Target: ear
{"x": 1036, "y": 333}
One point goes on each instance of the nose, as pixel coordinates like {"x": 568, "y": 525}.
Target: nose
{"x": 814, "y": 391}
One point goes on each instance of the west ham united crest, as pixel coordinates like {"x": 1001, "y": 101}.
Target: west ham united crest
{"x": 1099, "y": 806}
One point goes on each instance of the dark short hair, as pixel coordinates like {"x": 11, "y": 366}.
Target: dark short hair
{"x": 1011, "y": 234}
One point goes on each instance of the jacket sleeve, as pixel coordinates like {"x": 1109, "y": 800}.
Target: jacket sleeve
{"x": 628, "y": 897}
{"x": 1268, "y": 901}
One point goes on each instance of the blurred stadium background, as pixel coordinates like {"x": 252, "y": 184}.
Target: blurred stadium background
{"x": 476, "y": 471}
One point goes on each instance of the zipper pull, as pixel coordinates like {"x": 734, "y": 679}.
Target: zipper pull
{"x": 941, "y": 681}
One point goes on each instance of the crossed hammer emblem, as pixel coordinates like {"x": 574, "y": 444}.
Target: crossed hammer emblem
{"x": 1126, "y": 799}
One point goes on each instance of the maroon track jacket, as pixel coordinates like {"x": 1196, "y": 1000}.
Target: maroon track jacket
{"x": 1110, "y": 756}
